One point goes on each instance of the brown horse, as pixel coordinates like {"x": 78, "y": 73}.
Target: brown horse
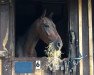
{"x": 43, "y": 28}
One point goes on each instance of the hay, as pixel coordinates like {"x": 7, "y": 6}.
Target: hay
{"x": 53, "y": 57}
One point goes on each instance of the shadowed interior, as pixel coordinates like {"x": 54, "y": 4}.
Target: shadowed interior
{"x": 27, "y": 11}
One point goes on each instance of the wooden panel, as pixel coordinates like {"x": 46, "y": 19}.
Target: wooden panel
{"x": 85, "y": 37}
{"x": 73, "y": 26}
{"x": 4, "y": 31}
{"x": 5, "y": 37}
{"x": 4, "y": 25}
{"x": 80, "y": 35}
{"x": 43, "y": 71}
{"x": 90, "y": 37}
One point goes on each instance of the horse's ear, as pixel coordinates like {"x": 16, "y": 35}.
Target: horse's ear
{"x": 51, "y": 15}
{"x": 44, "y": 13}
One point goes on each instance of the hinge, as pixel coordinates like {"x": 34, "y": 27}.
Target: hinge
{"x": 3, "y": 53}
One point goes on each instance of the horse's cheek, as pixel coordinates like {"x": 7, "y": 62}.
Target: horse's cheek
{"x": 39, "y": 31}
{"x": 53, "y": 33}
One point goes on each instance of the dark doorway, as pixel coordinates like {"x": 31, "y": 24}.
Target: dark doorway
{"x": 26, "y": 11}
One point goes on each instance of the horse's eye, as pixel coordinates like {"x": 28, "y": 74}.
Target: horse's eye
{"x": 46, "y": 25}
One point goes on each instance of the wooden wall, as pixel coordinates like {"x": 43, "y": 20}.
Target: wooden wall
{"x": 6, "y": 35}
{"x": 80, "y": 21}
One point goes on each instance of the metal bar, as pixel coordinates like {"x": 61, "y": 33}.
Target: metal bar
{"x": 80, "y": 34}
{"x": 90, "y": 37}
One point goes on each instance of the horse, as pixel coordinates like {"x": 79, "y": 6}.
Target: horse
{"x": 43, "y": 28}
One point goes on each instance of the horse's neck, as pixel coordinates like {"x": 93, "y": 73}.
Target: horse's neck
{"x": 30, "y": 43}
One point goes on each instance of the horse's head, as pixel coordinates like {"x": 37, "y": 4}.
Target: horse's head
{"x": 47, "y": 31}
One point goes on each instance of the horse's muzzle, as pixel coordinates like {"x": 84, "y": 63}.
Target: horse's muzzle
{"x": 58, "y": 44}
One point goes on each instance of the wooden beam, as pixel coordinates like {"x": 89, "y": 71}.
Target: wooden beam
{"x": 0, "y": 66}
{"x": 90, "y": 37}
{"x": 80, "y": 34}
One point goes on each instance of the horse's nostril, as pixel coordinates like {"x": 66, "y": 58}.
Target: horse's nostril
{"x": 58, "y": 44}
